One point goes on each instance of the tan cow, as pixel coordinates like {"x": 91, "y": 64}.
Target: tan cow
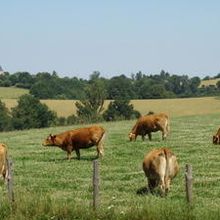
{"x": 160, "y": 167}
{"x": 3, "y": 161}
{"x": 150, "y": 123}
{"x": 78, "y": 139}
{"x": 216, "y": 137}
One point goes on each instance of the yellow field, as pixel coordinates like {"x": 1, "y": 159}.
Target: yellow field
{"x": 174, "y": 107}
{"x": 209, "y": 82}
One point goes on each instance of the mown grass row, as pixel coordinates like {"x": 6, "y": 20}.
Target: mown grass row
{"x": 49, "y": 187}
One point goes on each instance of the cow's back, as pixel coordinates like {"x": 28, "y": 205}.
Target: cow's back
{"x": 154, "y": 163}
{"x": 87, "y": 137}
{"x": 160, "y": 167}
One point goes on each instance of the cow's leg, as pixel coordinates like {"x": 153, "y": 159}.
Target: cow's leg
{"x": 143, "y": 137}
{"x": 77, "y": 153}
{"x": 164, "y": 134}
{"x": 167, "y": 185}
{"x": 100, "y": 150}
{"x": 152, "y": 183}
{"x": 149, "y": 136}
{"x": 68, "y": 155}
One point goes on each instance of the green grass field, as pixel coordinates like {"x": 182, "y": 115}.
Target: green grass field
{"x": 12, "y": 92}
{"x": 47, "y": 186}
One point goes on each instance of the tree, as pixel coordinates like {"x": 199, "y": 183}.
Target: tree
{"x": 120, "y": 110}
{"x": 90, "y": 107}
{"x": 30, "y": 113}
{"x": 120, "y": 87}
{"x": 5, "y": 119}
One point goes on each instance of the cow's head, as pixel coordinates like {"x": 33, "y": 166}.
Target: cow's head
{"x": 131, "y": 136}
{"x": 215, "y": 139}
{"x": 50, "y": 140}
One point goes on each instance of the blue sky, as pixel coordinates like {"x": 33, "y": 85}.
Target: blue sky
{"x": 115, "y": 37}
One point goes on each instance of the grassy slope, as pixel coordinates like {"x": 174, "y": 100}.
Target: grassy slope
{"x": 12, "y": 92}
{"x": 48, "y": 186}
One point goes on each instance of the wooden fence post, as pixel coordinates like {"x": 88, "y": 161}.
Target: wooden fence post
{"x": 10, "y": 181}
{"x": 189, "y": 183}
{"x": 95, "y": 184}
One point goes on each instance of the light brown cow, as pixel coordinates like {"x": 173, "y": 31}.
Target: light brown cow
{"x": 78, "y": 139}
{"x": 160, "y": 167}
{"x": 150, "y": 123}
{"x": 216, "y": 137}
{"x": 3, "y": 161}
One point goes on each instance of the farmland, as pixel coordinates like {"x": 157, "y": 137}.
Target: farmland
{"x": 175, "y": 107}
{"x": 49, "y": 187}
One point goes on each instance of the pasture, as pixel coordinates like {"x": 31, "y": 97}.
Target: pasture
{"x": 47, "y": 186}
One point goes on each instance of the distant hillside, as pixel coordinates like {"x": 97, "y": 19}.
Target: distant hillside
{"x": 174, "y": 107}
{"x": 209, "y": 82}
{"x": 12, "y": 92}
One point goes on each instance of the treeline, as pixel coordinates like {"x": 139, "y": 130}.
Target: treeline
{"x": 31, "y": 113}
{"x": 45, "y": 85}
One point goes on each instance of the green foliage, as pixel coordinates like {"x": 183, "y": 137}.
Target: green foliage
{"x": 5, "y": 118}
{"x": 120, "y": 87}
{"x": 90, "y": 108}
{"x": 30, "y": 113}
{"x": 120, "y": 110}
{"x": 45, "y": 85}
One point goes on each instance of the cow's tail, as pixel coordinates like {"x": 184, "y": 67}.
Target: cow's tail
{"x": 101, "y": 144}
{"x": 167, "y": 125}
{"x": 167, "y": 154}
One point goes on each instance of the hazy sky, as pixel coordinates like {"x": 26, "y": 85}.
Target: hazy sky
{"x": 77, "y": 37}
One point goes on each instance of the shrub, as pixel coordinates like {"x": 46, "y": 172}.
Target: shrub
{"x": 5, "y": 119}
{"x": 30, "y": 113}
{"x": 120, "y": 110}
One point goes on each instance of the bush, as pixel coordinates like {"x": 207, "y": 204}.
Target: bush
{"x": 120, "y": 110}
{"x": 5, "y": 119}
{"x": 30, "y": 113}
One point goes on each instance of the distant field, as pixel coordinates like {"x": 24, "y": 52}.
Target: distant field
{"x": 12, "y": 92}
{"x": 209, "y": 82}
{"x": 174, "y": 107}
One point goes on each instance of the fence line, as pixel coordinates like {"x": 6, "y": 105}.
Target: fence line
{"x": 189, "y": 183}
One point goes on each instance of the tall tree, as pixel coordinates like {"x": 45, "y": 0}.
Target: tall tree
{"x": 90, "y": 107}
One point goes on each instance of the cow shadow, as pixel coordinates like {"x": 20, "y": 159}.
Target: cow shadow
{"x": 146, "y": 191}
{"x": 82, "y": 158}
{"x": 143, "y": 191}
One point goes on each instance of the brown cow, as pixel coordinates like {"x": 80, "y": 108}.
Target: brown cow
{"x": 78, "y": 139}
{"x": 160, "y": 167}
{"x": 3, "y": 161}
{"x": 216, "y": 137}
{"x": 150, "y": 123}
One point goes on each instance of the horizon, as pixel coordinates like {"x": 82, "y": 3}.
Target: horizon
{"x": 115, "y": 38}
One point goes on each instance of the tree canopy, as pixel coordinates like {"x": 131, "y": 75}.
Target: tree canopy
{"x": 46, "y": 85}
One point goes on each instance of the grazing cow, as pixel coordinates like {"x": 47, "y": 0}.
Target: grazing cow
{"x": 3, "y": 161}
{"x": 150, "y": 123}
{"x": 160, "y": 167}
{"x": 216, "y": 137}
{"x": 78, "y": 139}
